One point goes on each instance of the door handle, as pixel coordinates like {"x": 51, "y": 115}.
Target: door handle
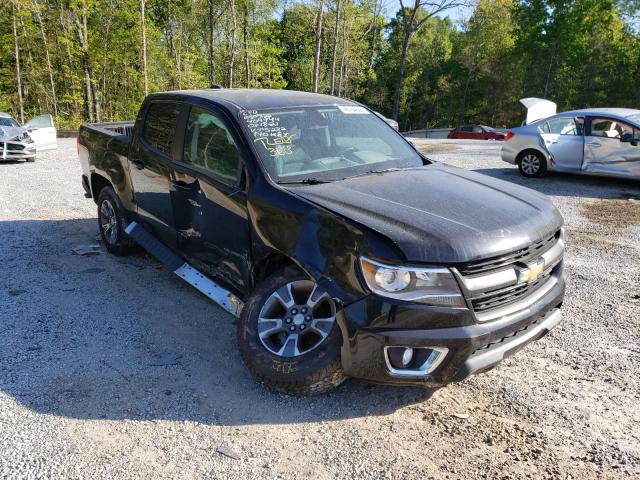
{"x": 139, "y": 164}
{"x": 594, "y": 144}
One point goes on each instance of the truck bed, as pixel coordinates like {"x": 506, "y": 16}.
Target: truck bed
{"x": 108, "y": 136}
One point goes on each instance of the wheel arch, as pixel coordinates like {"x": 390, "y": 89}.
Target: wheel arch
{"x": 523, "y": 152}
{"x": 97, "y": 183}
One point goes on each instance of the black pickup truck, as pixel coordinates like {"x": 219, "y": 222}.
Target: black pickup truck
{"x": 342, "y": 250}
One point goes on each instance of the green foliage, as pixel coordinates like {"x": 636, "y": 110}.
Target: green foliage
{"x": 577, "y": 53}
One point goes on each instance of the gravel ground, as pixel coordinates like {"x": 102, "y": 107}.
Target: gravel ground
{"x": 112, "y": 368}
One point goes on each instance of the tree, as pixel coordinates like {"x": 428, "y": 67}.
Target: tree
{"x": 316, "y": 55}
{"x": 412, "y": 19}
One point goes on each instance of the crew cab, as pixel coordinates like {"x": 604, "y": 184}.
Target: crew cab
{"x": 341, "y": 249}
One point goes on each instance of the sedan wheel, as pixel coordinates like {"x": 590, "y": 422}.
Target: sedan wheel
{"x": 532, "y": 164}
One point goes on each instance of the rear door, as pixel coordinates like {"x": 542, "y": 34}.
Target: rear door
{"x": 151, "y": 167}
{"x": 209, "y": 198}
{"x": 564, "y": 140}
{"x": 612, "y": 147}
{"x": 43, "y": 132}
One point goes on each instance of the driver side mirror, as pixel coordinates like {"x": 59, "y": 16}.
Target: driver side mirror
{"x": 629, "y": 138}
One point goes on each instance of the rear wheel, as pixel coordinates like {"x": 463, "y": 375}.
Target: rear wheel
{"x": 532, "y": 164}
{"x": 112, "y": 222}
{"x": 289, "y": 338}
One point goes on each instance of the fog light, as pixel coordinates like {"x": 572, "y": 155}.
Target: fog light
{"x": 413, "y": 361}
{"x": 407, "y": 355}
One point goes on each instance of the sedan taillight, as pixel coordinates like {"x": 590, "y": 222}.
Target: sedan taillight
{"x": 509, "y": 135}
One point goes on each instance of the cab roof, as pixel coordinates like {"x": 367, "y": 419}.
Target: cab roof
{"x": 259, "y": 99}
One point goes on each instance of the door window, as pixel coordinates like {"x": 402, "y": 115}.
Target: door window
{"x": 477, "y": 129}
{"x": 160, "y": 125}
{"x": 608, "y": 128}
{"x": 41, "y": 121}
{"x": 209, "y": 144}
{"x": 466, "y": 128}
{"x": 563, "y": 126}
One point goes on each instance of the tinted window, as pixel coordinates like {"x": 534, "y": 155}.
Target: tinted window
{"x": 466, "y": 128}
{"x": 208, "y": 144}
{"x": 477, "y": 129}
{"x": 608, "y": 128}
{"x": 160, "y": 125}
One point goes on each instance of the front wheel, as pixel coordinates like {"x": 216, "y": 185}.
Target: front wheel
{"x": 532, "y": 164}
{"x": 289, "y": 338}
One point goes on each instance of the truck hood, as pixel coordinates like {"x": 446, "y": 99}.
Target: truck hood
{"x": 440, "y": 214}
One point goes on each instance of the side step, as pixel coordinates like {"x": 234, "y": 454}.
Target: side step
{"x": 193, "y": 277}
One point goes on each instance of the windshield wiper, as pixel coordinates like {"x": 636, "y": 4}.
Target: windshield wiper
{"x": 306, "y": 181}
{"x": 370, "y": 172}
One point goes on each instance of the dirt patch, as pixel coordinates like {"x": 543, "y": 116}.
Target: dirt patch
{"x": 437, "y": 147}
{"x": 615, "y": 214}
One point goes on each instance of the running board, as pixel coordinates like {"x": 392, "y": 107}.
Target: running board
{"x": 193, "y": 277}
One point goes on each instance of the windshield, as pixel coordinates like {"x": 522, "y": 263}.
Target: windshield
{"x": 8, "y": 122}
{"x": 325, "y": 143}
{"x": 488, "y": 129}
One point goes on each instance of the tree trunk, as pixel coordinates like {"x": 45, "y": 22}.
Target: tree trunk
{"x": 212, "y": 60}
{"x": 18, "y": 77}
{"x": 401, "y": 68}
{"x": 232, "y": 43}
{"x": 144, "y": 48}
{"x": 374, "y": 38}
{"x": 335, "y": 47}
{"x": 245, "y": 35}
{"x": 92, "y": 103}
{"x": 316, "y": 57}
{"x": 48, "y": 58}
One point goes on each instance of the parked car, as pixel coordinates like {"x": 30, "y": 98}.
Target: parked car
{"x": 475, "y": 132}
{"x": 596, "y": 141}
{"x": 342, "y": 249}
{"x": 21, "y": 143}
{"x": 392, "y": 123}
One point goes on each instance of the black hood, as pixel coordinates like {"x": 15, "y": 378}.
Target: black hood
{"x": 441, "y": 214}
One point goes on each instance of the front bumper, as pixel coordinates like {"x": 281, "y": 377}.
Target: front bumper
{"x": 373, "y": 323}
{"x": 14, "y": 150}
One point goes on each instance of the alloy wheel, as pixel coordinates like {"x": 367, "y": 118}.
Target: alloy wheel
{"x": 108, "y": 222}
{"x": 296, "y": 319}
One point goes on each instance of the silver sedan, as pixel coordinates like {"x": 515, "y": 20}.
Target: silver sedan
{"x": 597, "y": 141}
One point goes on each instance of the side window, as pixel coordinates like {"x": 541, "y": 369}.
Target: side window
{"x": 477, "y": 129}
{"x": 563, "y": 126}
{"x": 608, "y": 128}
{"x": 466, "y": 128}
{"x": 208, "y": 144}
{"x": 160, "y": 125}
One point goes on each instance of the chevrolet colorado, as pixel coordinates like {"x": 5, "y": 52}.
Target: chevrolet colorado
{"x": 343, "y": 251}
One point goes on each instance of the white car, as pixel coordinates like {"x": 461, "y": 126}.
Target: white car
{"x": 596, "y": 141}
{"x": 18, "y": 142}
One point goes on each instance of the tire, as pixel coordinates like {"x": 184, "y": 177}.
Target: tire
{"x": 112, "y": 222}
{"x": 310, "y": 363}
{"x": 532, "y": 164}
{"x": 31, "y": 159}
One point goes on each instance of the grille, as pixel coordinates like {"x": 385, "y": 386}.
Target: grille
{"x": 504, "y": 296}
{"x": 524, "y": 255}
{"x": 15, "y": 146}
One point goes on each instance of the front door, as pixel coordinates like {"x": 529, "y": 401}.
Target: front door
{"x": 612, "y": 147}
{"x": 151, "y": 168}
{"x": 563, "y": 138}
{"x": 43, "y": 132}
{"x": 209, "y": 202}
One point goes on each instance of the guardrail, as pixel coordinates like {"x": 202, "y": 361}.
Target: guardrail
{"x": 428, "y": 133}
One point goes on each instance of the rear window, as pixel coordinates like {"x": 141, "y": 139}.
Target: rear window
{"x": 160, "y": 125}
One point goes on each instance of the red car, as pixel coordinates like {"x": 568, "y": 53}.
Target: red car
{"x": 476, "y": 132}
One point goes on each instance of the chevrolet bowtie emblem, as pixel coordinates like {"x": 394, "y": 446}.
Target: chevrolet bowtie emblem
{"x": 532, "y": 273}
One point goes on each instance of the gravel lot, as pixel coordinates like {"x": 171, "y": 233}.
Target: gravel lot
{"x": 112, "y": 368}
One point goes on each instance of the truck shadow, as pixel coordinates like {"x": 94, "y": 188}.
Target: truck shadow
{"x": 104, "y": 337}
{"x": 569, "y": 185}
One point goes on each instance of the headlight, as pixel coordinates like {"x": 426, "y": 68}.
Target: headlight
{"x": 434, "y": 286}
